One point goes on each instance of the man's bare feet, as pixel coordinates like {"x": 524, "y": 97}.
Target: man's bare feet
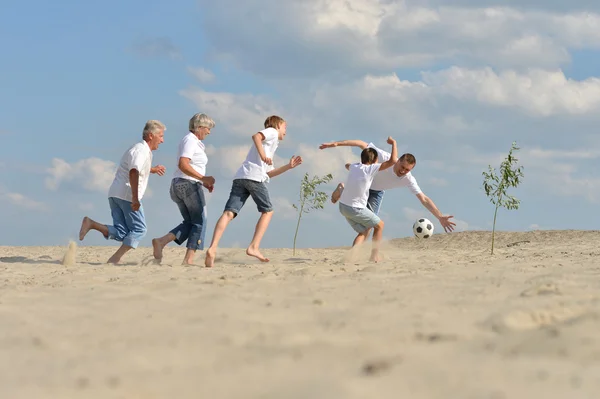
{"x": 337, "y": 193}
{"x": 113, "y": 261}
{"x": 375, "y": 257}
{"x": 256, "y": 253}
{"x": 209, "y": 259}
{"x": 86, "y": 225}
{"x": 157, "y": 248}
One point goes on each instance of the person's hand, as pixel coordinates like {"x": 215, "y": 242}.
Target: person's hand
{"x": 295, "y": 161}
{"x": 135, "y": 205}
{"x": 390, "y": 140}
{"x": 268, "y": 161}
{"x": 159, "y": 170}
{"x": 446, "y": 223}
{"x": 209, "y": 187}
{"x": 208, "y": 181}
{"x": 328, "y": 145}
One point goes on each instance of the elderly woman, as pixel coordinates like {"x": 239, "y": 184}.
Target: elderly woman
{"x": 187, "y": 190}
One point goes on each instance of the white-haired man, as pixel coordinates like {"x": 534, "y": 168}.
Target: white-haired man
{"x": 126, "y": 192}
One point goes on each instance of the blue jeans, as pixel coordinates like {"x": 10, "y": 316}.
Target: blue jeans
{"x": 375, "y": 200}
{"x": 241, "y": 189}
{"x": 128, "y": 226}
{"x": 189, "y": 197}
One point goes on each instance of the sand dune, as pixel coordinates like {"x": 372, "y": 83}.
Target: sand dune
{"x": 438, "y": 318}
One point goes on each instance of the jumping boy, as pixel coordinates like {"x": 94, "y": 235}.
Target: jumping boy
{"x": 250, "y": 180}
{"x": 353, "y": 201}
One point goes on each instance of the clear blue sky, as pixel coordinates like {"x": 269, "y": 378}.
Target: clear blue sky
{"x": 454, "y": 82}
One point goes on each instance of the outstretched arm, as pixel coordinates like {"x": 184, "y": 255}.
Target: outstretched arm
{"x": 344, "y": 143}
{"x": 444, "y": 220}
{"x": 394, "y": 156}
{"x": 294, "y": 161}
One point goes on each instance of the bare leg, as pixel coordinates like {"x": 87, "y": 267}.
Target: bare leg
{"x": 116, "y": 258}
{"x": 377, "y": 235}
{"x": 360, "y": 238}
{"x": 222, "y": 223}
{"x": 337, "y": 193}
{"x": 158, "y": 244}
{"x": 189, "y": 256}
{"x": 88, "y": 224}
{"x": 259, "y": 232}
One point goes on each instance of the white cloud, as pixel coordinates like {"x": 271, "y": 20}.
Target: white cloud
{"x": 284, "y": 208}
{"x": 202, "y": 75}
{"x": 383, "y": 35}
{"x": 321, "y": 162}
{"x": 93, "y": 174}
{"x": 24, "y": 202}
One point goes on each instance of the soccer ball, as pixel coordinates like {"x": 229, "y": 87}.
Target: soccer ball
{"x": 423, "y": 228}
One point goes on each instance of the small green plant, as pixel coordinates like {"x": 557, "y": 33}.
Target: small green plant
{"x": 310, "y": 198}
{"x": 496, "y": 186}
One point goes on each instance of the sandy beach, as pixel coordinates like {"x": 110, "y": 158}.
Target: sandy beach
{"x": 437, "y": 318}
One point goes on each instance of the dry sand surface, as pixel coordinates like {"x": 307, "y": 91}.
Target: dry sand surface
{"x": 438, "y": 318}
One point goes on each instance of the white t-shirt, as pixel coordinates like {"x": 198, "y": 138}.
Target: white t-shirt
{"x": 356, "y": 190}
{"x": 191, "y": 147}
{"x": 387, "y": 179}
{"x": 253, "y": 167}
{"x": 139, "y": 157}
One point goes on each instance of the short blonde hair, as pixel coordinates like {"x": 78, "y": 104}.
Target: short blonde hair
{"x": 153, "y": 127}
{"x": 274, "y": 121}
{"x": 201, "y": 120}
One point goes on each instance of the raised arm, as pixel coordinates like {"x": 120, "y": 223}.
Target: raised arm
{"x": 258, "y": 139}
{"x": 393, "y": 158}
{"x": 345, "y": 143}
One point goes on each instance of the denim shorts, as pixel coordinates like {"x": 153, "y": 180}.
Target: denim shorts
{"x": 129, "y": 227}
{"x": 241, "y": 189}
{"x": 375, "y": 200}
{"x": 360, "y": 219}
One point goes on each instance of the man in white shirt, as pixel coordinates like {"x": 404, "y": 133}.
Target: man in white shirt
{"x": 353, "y": 199}
{"x": 250, "y": 180}
{"x": 398, "y": 176}
{"x": 126, "y": 192}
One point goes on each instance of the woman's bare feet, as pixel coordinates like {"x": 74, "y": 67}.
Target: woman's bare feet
{"x": 337, "y": 193}
{"x": 157, "y": 248}
{"x": 256, "y": 253}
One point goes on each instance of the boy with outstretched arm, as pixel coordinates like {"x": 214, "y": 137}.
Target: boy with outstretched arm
{"x": 250, "y": 181}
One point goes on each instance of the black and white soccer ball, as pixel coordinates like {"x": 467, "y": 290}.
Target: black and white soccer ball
{"x": 423, "y": 228}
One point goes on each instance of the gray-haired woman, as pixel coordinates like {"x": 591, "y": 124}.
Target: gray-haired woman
{"x": 187, "y": 190}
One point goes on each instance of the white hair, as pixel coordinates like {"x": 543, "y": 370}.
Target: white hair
{"x": 201, "y": 120}
{"x": 153, "y": 127}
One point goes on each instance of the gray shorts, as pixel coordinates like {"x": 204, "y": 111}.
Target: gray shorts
{"x": 360, "y": 219}
{"x": 241, "y": 189}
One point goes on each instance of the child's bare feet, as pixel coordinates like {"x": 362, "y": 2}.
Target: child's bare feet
{"x": 86, "y": 225}
{"x": 256, "y": 253}
{"x": 209, "y": 259}
{"x": 337, "y": 193}
{"x": 157, "y": 247}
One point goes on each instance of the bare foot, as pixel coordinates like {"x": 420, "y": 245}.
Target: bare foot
{"x": 209, "y": 259}
{"x": 157, "y": 248}
{"x": 337, "y": 193}
{"x": 86, "y": 225}
{"x": 256, "y": 253}
{"x": 113, "y": 261}
{"x": 375, "y": 257}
